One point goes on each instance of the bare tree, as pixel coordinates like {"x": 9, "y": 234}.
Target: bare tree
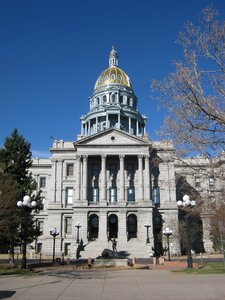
{"x": 194, "y": 97}
{"x": 194, "y": 94}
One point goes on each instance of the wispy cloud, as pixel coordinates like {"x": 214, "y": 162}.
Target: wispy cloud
{"x": 40, "y": 154}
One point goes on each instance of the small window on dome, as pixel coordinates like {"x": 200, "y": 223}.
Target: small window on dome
{"x": 113, "y": 76}
{"x": 106, "y": 78}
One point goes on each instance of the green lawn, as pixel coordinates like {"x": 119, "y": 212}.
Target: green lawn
{"x": 206, "y": 268}
{"x": 10, "y": 270}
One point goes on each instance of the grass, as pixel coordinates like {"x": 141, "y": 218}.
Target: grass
{"x": 206, "y": 268}
{"x": 14, "y": 270}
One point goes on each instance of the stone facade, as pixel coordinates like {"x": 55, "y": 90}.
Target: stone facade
{"x": 113, "y": 181}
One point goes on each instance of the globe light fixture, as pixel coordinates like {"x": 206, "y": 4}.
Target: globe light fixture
{"x": 186, "y": 205}
{"x": 26, "y": 206}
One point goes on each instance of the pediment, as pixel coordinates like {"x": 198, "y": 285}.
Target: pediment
{"x": 112, "y": 137}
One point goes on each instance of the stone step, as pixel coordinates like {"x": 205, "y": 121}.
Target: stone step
{"x": 131, "y": 249}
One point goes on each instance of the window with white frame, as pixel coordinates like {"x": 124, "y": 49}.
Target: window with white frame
{"x": 112, "y": 195}
{"x": 130, "y": 194}
{"x": 68, "y": 225}
{"x": 42, "y": 182}
{"x": 69, "y": 170}
{"x": 67, "y": 249}
{"x": 95, "y": 194}
{"x": 69, "y": 195}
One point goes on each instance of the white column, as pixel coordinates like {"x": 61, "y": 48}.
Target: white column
{"x": 122, "y": 187}
{"x": 129, "y": 124}
{"x": 119, "y": 121}
{"x": 103, "y": 179}
{"x": 147, "y": 179}
{"x": 96, "y": 121}
{"x": 107, "y": 120}
{"x": 89, "y": 128}
{"x": 78, "y": 181}
{"x": 84, "y": 187}
{"x": 145, "y": 128}
{"x": 82, "y": 128}
{"x": 137, "y": 132}
{"x": 140, "y": 177}
{"x": 85, "y": 129}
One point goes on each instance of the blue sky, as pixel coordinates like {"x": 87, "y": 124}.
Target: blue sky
{"x": 52, "y": 52}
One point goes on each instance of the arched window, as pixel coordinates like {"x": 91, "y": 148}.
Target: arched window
{"x": 112, "y": 226}
{"x": 104, "y": 99}
{"x": 93, "y": 227}
{"x": 131, "y": 226}
{"x": 113, "y": 98}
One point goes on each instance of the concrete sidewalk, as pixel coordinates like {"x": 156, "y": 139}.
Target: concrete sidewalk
{"x": 113, "y": 285}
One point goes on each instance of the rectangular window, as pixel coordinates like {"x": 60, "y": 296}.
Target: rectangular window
{"x": 95, "y": 194}
{"x": 112, "y": 169}
{"x": 112, "y": 195}
{"x": 69, "y": 196}
{"x": 69, "y": 170}
{"x": 40, "y": 225}
{"x": 68, "y": 225}
{"x": 42, "y": 204}
{"x": 211, "y": 181}
{"x": 130, "y": 169}
{"x": 130, "y": 194}
{"x": 95, "y": 170}
{"x": 67, "y": 249}
{"x": 42, "y": 182}
{"x": 156, "y": 196}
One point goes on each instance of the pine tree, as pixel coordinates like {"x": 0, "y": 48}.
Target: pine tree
{"x": 15, "y": 182}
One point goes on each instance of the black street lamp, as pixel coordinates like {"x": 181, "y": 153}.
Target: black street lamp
{"x": 26, "y": 206}
{"x": 78, "y": 226}
{"x": 147, "y": 226}
{"x": 186, "y": 205}
{"x": 54, "y": 232}
{"x": 168, "y": 232}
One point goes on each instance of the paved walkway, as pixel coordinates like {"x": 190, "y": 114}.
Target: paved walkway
{"x": 109, "y": 284}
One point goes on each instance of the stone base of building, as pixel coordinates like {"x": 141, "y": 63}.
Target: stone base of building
{"x": 110, "y": 262}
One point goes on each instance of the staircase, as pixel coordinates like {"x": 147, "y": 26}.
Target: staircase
{"x": 133, "y": 248}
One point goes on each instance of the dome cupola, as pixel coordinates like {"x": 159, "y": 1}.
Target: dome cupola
{"x": 113, "y": 75}
{"x": 113, "y": 103}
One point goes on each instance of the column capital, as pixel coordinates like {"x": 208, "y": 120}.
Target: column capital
{"x": 140, "y": 156}
{"x": 121, "y": 156}
{"x": 85, "y": 157}
{"x": 103, "y": 156}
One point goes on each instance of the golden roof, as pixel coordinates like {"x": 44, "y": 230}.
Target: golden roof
{"x": 113, "y": 75}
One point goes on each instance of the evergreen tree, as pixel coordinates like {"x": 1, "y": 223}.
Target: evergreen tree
{"x": 15, "y": 182}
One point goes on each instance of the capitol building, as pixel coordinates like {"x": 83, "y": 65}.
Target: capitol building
{"x": 114, "y": 182}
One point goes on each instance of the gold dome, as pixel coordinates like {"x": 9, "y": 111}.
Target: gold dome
{"x": 113, "y": 75}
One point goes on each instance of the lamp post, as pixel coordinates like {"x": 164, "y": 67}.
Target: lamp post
{"x": 26, "y": 205}
{"x": 147, "y": 226}
{"x": 168, "y": 232}
{"x": 78, "y": 226}
{"x": 187, "y": 204}
{"x": 54, "y": 232}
